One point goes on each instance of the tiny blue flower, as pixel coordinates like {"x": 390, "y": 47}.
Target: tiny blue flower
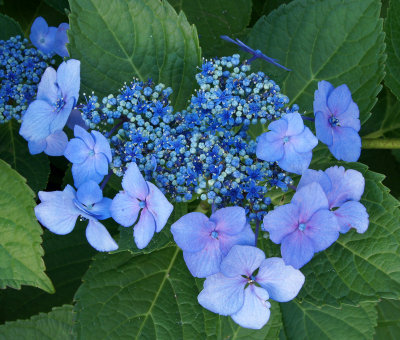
{"x": 59, "y": 210}
{"x": 242, "y": 293}
{"x": 336, "y": 121}
{"x": 144, "y": 198}
{"x": 288, "y": 142}
{"x": 205, "y": 241}
{"x": 42, "y": 36}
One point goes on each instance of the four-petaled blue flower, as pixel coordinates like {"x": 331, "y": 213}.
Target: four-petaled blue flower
{"x": 59, "y": 210}
{"x": 304, "y": 226}
{"x": 90, "y": 154}
{"x": 336, "y": 121}
{"x": 205, "y": 241}
{"x": 144, "y": 198}
{"x": 288, "y": 142}
{"x": 47, "y": 115}
{"x": 42, "y": 36}
{"x": 343, "y": 189}
{"x": 241, "y": 293}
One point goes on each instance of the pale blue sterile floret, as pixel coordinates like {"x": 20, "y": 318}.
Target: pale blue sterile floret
{"x": 57, "y": 94}
{"x": 59, "y": 210}
{"x": 143, "y": 198}
{"x": 304, "y": 226}
{"x": 205, "y": 241}
{"x": 90, "y": 155}
{"x": 288, "y": 142}
{"x": 241, "y": 293}
{"x": 343, "y": 189}
{"x": 337, "y": 121}
{"x": 61, "y": 40}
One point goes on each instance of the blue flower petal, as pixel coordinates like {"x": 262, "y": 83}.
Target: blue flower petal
{"x": 293, "y": 161}
{"x": 269, "y": 148}
{"x": 295, "y": 124}
{"x": 245, "y": 237}
{"x": 281, "y": 221}
{"x": 101, "y": 145}
{"x": 323, "y": 128}
{"x": 309, "y": 176}
{"x": 101, "y": 164}
{"x": 99, "y": 237}
{"x": 282, "y": 282}
{"x": 144, "y": 230}
{"x": 305, "y": 141}
{"x": 230, "y": 220}
{"x": 47, "y": 88}
{"x": 124, "y": 209}
{"x": 134, "y": 183}
{"x": 89, "y": 193}
{"x": 68, "y": 78}
{"x": 297, "y": 249}
{"x": 339, "y": 99}
{"x": 36, "y": 147}
{"x": 321, "y": 96}
{"x": 279, "y": 126}
{"x": 350, "y": 117}
{"x": 205, "y": 262}
{"x": 102, "y": 209}
{"x": 42, "y": 36}
{"x": 76, "y": 151}
{"x": 352, "y": 215}
{"x": 61, "y": 39}
{"x": 159, "y": 206}
{"x": 85, "y": 171}
{"x": 346, "y": 144}
{"x": 56, "y": 144}
{"x": 60, "y": 119}
{"x": 86, "y": 137}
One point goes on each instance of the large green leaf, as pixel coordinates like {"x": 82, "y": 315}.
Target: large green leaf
{"x": 214, "y": 18}
{"x": 392, "y": 29}
{"x": 151, "y": 296}
{"x": 116, "y": 41}
{"x": 388, "y": 327}
{"x": 20, "y": 251}
{"x": 339, "y": 41}
{"x": 307, "y": 321}
{"x": 56, "y": 325}
{"x": 9, "y": 27}
{"x": 14, "y": 150}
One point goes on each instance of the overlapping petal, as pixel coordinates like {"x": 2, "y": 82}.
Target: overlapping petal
{"x": 134, "y": 183}
{"x": 282, "y": 221}
{"x": 99, "y": 237}
{"x": 159, "y": 206}
{"x": 203, "y": 266}
{"x": 352, "y": 215}
{"x": 297, "y": 249}
{"x": 144, "y": 230}
{"x": 124, "y": 209}
{"x": 230, "y": 220}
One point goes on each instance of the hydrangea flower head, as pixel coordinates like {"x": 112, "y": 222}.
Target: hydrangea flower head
{"x": 336, "y": 121}
{"x": 288, "y": 142}
{"x": 140, "y": 198}
{"x": 239, "y": 292}
{"x": 205, "y": 241}
{"x": 42, "y": 36}
{"x": 57, "y": 94}
{"x": 343, "y": 189}
{"x": 304, "y": 226}
{"x": 59, "y": 210}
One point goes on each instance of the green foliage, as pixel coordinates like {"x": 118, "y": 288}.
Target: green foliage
{"x": 14, "y": 150}
{"x": 214, "y": 18}
{"x": 60, "y": 5}
{"x": 341, "y": 42}
{"x": 388, "y": 327}
{"x": 392, "y": 29}
{"x": 55, "y": 325}
{"x": 20, "y": 251}
{"x": 139, "y": 38}
{"x": 9, "y": 27}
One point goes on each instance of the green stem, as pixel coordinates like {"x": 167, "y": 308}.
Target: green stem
{"x": 203, "y": 207}
{"x": 384, "y": 143}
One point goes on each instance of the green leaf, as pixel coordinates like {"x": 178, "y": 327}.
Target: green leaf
{"x": 60, "y": 5}
{"x": 67, "y": 257}
{"x": 14, "y": 150}
{"x": 388, "y": 327}
{"x": 214, "y": 18}
{"x": 307, "y": 321}
{"x": 139, "y": 38}
{"x": 338, "y": 41}
{"x": 9, "y": 27}
{"x": 392, "y": 29}
{"x": 55, "y": 325}
{"x": 20, "y": 251}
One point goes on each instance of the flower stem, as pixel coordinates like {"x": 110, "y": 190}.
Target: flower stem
{"x": 256, "y": 233}
{"x": 103, "y": 184}
{"x": 381, "y": 143}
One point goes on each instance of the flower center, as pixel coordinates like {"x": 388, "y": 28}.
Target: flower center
{"x": 302, "y": 226}
{"x": 59, "y": 104}
{"x": 42, "y": 40}
{"x": 214, "y": 234}
{"x": 142, "y": 204}
{"x": 286, "y": 139}
{"x": 333, "y": 121}
{"x": 91, "y": 153}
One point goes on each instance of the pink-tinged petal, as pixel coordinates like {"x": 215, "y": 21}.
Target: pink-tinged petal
{"x": 205, "y": 262}
{"x": 102, "y": 145}
{"x": 297, "y": 249}
{"x": 68, "y": 78}
{"x": 352, "y": 215}
{"x": 192, "y": 231}
{"x": 134, "y": 183}
{"x": 268, "y": 148}
{"x": 282, "y": 221}
{"x": 124, "y": 209}
{"x": 255, "y": 311}
{"x": 245, "y": 237}
{"x": 293, "y": 161}
{"x": 229, "y": 220}
{"x": 85, "y": 171}
{"x": 57, "y": 211}
{"x": 305, "y": 141}
{"x": 321, "y": 96}
{"x": 99, "y": 237}
{"x": 159, "y": 206}
{"x": 339, "y": 99}
{"x": 309, "y": 199}
{"x": 295, "y": 124}
{"x": 144, "y": 230}
{"x": 36, "y": 147}
{"x": 60, "y": 119}
{"x": 102, "y": 209}
{"x": 350, "y": 117}
{"x": 86, "y": 137}
{"x": 56, "y": 144}
{"x": 279, "y": 126}
{"x": 323, "y": 128}
{"x": 309, "y": 176}
{"x": 47, "y": 88}
{"x": 76, "y": 151}
{"x": 346, "y": 185}
{"x": 36, "y": 121}
{"x": 101, "y": 163}
{"x": 222, "y": 295}
{"x": 346, "y": 144}
{"x": 89, "y": 193}
{"x": 282, "y": 282}
{"x": 242, "y": 260}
